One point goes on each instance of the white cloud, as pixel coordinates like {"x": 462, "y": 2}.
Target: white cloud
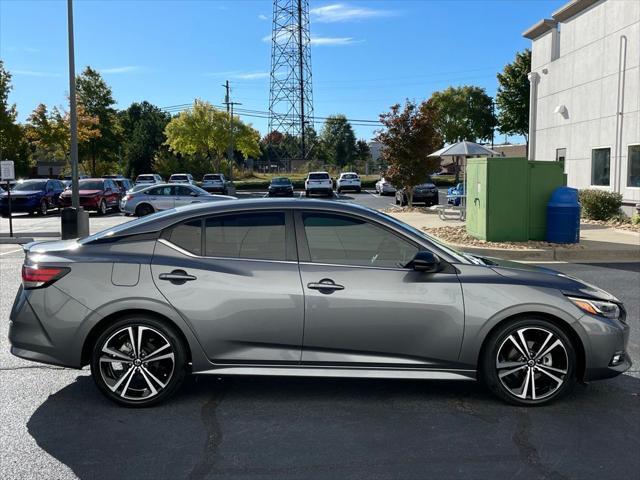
{"x": 35, "y": 73}
{"x": 333, "y": 41}
{"x": 238, "y": 75}
{"x": 339, "y": 12}
{"x": 119, "y": 70}
{"x": 263, "y": 17}
{"x": 252, "y": 75}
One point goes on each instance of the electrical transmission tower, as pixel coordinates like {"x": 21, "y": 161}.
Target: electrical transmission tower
{"x": 291, "y": 94}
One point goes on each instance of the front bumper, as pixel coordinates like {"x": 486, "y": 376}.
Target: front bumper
{"x": 88, "y": 203}
{"x": 604, "y": 339}
{"x": 20, "y": 206}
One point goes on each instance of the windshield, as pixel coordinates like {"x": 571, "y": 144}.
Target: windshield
{"x": 281, "y": 181}
{"x": 211, "y": 177}
{"x": 90, "y": 185}
{"x": 29, "y": 185}
{"x": 145, "y": 178}
{"x": 318, "y": 176}
{"x": 179, "y": 177}
{"x": 109, "y": 232}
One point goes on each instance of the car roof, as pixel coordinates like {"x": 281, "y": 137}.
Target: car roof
{"x": 173, "y": 174}
{"x": 348, "y": 173}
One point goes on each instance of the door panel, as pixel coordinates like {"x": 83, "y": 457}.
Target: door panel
{"x": 241, "y": 310}
{"x": 392, "y": 317}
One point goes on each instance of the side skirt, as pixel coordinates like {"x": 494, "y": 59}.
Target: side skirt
{"x": 344, "y": 373}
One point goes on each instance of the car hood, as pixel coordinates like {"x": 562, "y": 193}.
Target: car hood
{"x": 67, "y": 193}
{"x": 23, "y": 193}
{"x": 546, "y": 277}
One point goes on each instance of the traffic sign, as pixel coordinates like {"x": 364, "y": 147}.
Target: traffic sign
{"x": 7, "y": 170}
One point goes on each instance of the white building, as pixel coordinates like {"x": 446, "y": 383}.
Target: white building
{"x": 585, "y": 94}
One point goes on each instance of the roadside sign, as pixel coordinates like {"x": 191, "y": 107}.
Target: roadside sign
{"x": 7, "y": 170}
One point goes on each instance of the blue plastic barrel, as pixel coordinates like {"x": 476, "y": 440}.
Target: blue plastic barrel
{"x": 563, "y": 216}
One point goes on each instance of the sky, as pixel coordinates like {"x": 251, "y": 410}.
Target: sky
{"x": 366, "y": 55}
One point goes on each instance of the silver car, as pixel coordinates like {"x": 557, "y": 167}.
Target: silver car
{"x": 305, "y": 288}
{"x": 156, "y": 198}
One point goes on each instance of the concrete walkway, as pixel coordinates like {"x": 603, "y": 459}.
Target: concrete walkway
{"x": 597, "y": 243}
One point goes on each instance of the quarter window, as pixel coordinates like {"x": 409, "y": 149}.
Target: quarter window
{"x": 342, "y": 240}
{"x": 600, "y": 165}
{"x": 188, "y": 236}
{"x": 253, "y": 235}
{"x": 633, "y": 167}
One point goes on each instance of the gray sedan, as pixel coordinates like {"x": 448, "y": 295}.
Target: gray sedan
{"x": 156, "y": 198}
{"x": 305, "y": 288}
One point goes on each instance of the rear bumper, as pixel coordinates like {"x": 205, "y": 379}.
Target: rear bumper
{"x": 350, "y": 187}
{"x": 214, "y": 188}
{"x": 431, "y": 198}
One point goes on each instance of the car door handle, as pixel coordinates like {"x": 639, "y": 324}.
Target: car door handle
{"x": 177, "y": 277}
{"x": 326, "y": 285}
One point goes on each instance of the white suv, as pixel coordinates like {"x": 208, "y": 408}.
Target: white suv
{"x": 148, "y": 178}
{"x": 182, "y": 178}
{"x": 349, "y": 181}
{"x": 318, "y": 182}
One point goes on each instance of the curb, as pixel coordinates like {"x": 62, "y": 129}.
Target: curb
{"x": 15, "y": 240}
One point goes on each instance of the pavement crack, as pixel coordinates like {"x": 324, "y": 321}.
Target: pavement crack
{"x": 214, "y": 436}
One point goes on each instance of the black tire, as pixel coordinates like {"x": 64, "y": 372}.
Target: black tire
{"x": 306, "y": 193}
{"x": 541, "y": 327}
{"x": 404, "y": 201}
{"x": 339, "y": 191}
{"x": 157, "y": 332}
{"x": 44, "y": 208}
{"x": 144, "y": 209}
{"x": 358, "y": 190}
{"x": 397, "y": 201}
{"x": 102, "y": 207}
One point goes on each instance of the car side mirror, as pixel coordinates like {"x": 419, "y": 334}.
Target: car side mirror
{"x": 425, "y": 261}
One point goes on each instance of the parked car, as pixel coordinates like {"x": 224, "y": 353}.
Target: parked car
{"x": 353, "y": 293}
{"x": 99, "y": 194}
{"x": 318, "y": 183}
{"x": 37, "y": 195}
{"x": 384, "y": 187}
{"x": 280, "y": 186}
{"x": 349, "y": 181}
{"x": 182, "y": 178}
{"x": 156, "y": 198}
{"x": 149, "y": 178}
{"x": 426, "y": 193}
{"x": 215, "y": 183}
{"x": 455, "y": 194}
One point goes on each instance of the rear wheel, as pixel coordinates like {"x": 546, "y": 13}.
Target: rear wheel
{"x": 144, "y": 209}
{"x": 529, "y": 362}
{"x": 139, "y": 361}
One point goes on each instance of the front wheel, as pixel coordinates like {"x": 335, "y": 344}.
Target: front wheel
{"x": 102, "y": 207}
{"x": 138, "y": 361}
{"x": 306, "y": 193}
{"x": 44, "y": 208}
{"x": 529, "y": 362}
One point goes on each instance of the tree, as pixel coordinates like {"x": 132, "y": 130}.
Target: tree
{"x": 12, "y": 142}
{"x": 97, "y": 99}
{"x": 142, "y": 126}
{"x": 464, "y": 113}
{"x": 408, "y": 137}
{"x": 205, "y": 131}
{"x": 338, "y": 140}
{"x": 512, "y": 98}
{"x": 50, "y": 133}
{"x": 362, "y": 155}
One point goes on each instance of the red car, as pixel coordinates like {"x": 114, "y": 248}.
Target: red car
{"x": 99, "y": 194}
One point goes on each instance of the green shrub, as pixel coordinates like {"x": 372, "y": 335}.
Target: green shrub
{"x": 635, "y": 219}
{"x": 600, "y": 204}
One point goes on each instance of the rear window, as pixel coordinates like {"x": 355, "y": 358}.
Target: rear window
{"x": 145, "y": 178}
{"x": 319, "y": 176}
{"x": 187, "y": 236}
{"x": 110, "y": 232}
{"x": 211, "y": 177}
{"x": 350, "y": 176}
{"x": 179, "y": 177}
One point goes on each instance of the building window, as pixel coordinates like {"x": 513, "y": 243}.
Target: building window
{"x": 561, "y": 155}
{"x": 600, "y": 165}
{"x": 633, "y": 167}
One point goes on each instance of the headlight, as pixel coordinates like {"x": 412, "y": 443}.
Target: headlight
{"x": 597, "y": 307}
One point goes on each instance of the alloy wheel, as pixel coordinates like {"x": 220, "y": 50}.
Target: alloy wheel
{"x": 532, "y": 363}
{"x": 43, "y": 208}
{"x": 137, "y": 362}
{"x": 103, "y": 207}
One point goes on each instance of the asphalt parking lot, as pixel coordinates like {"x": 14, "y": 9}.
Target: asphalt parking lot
{"x": 55, "y": 424}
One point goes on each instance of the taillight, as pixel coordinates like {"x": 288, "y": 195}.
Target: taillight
{"x": 126, "y": 198}
{"x": 34, "y": 276}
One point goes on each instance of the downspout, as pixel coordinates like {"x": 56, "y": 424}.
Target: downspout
{"x": 534, "y": 78}
{"x": 617, "y": 153}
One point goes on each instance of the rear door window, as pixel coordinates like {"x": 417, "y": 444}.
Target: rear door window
{"x": 187, "y": 235}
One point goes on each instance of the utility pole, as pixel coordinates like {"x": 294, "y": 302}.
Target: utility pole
{"x": 229, "y": 104}
{"x": 73, "y": 119}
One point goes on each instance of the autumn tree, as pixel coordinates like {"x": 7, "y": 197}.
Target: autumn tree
{"x": 96, "y": 97}
{"x": 463, "y": 113}
{"x": 512, "y": 98}
{"x": 204, "y": 131}
{"x": 408, "y": 136}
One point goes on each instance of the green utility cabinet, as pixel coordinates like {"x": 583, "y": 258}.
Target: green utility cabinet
{"x": 507, "y": 197}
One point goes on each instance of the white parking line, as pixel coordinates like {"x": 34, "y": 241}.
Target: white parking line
{"x": 10, "y": 251}
{"x": 373, "y": 194}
